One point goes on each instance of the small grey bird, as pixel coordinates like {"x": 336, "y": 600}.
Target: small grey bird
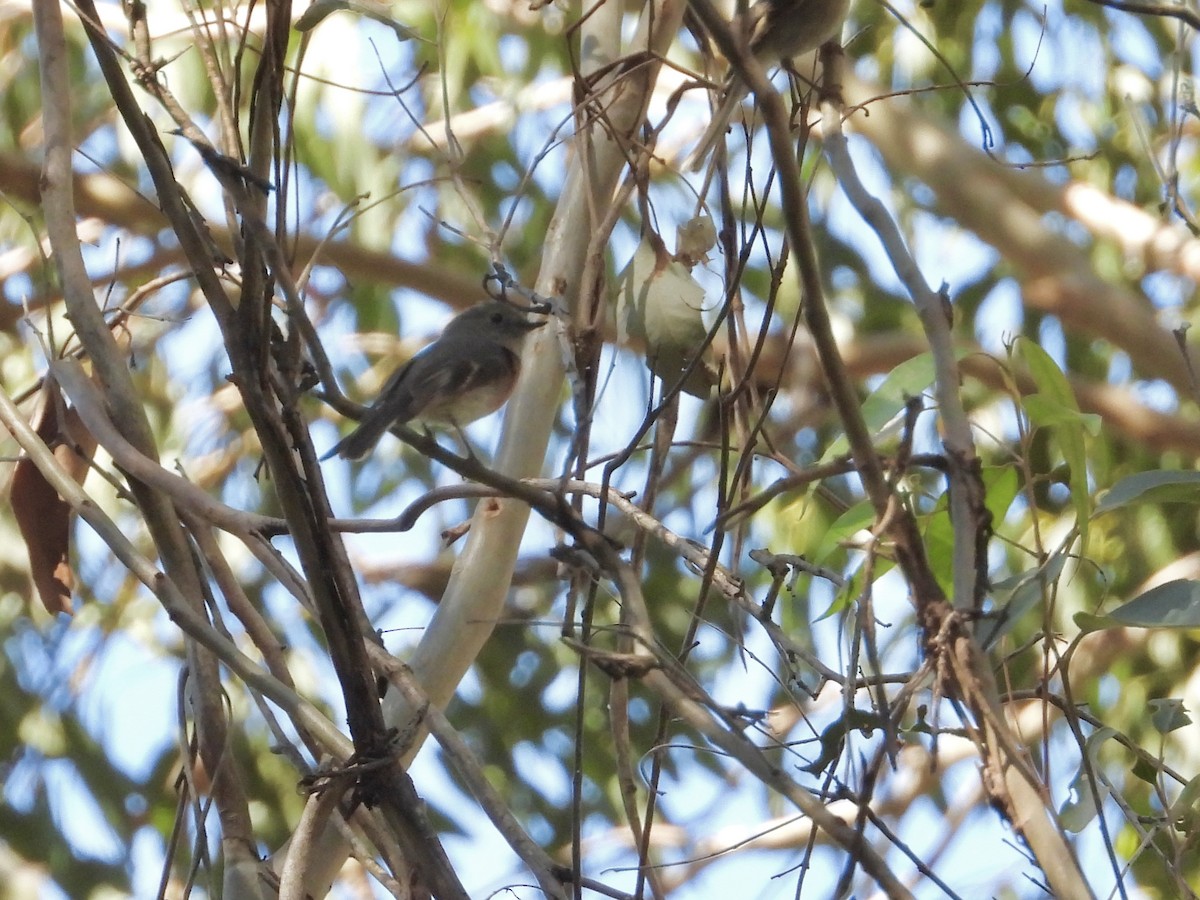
{"x": 778, "y": 30}
{"x": 465, "y": 374}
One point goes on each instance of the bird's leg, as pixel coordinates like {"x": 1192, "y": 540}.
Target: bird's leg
{"x": 462, "y": 436}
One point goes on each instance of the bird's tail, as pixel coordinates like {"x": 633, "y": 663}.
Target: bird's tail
{"x": 359, "y": 442}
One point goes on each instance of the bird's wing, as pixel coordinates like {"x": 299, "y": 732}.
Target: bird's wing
{"x": 454, "y": 381}
{"x": 436, "y": 381}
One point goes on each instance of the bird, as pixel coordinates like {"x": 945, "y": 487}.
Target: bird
{"x": 464, "y": 375}
{"x": 778, "y": 30}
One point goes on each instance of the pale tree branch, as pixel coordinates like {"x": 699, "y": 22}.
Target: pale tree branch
{"x": 946, "y": 637}
{"x": 1158, "y": 10}
{"x": 465, "y": 616}
{"x": 166, "y": 591}
{"x": 660, "y": 671}
{"x": 271, "y": 405}
{"x": 1026, "y": 802}
{"x": 1006, "y": 209}
{"x": 59, "y": 210}
{"x": 464, "y": 761}
{"x": 966, "y": 495}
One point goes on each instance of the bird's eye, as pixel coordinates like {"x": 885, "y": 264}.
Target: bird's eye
{"x": 497, "y": 318}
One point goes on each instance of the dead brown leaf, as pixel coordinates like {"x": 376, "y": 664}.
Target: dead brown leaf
{"x": 43, "y": 517}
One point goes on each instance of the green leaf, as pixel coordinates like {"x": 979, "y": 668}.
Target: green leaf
{"x": 1144, "y": 770}
{"x": 1185, "y": 803}
{"x": 909, "y": 379}
{"x": 938, "y": 536}
{"x": 1016, "y": 596}
{"x": 1087, "y": 622}
{"x": 1168, "y": 714}
{"x": 861, "y": 515}
{"x": 1047, "y": 413}
{"x": 1001, "y": 486}
{"x": 1159, "y": 486}
{"x": 1093, "y": 741}
{"x": 1054, "y": 407}
{"x": 844, "y": 597}
{"x": 1081, "y": 808}
{"x": 1175, "y": 604}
